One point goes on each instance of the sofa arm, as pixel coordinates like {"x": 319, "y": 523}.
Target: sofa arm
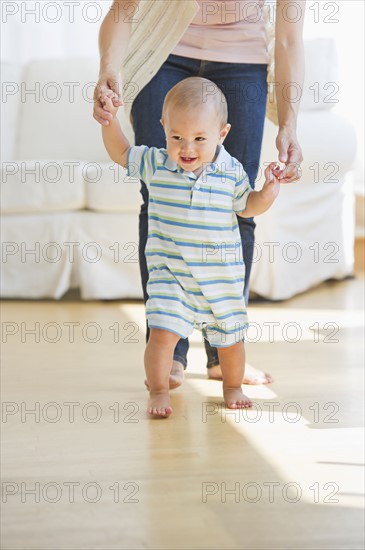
{"x": 307, "y": 236}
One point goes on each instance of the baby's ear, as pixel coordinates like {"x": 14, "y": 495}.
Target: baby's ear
{"x": 224, "y": 132}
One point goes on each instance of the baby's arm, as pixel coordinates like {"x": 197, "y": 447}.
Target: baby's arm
{"x": 260, "y": 201}
{"x": 115, "y": 141}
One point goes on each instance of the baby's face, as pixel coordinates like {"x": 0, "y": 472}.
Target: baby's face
{"x": 192, "y": 136}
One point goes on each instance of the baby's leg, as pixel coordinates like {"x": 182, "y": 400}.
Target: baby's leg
{"x": 232, "y": 361}
{"x": 158, "y": 359}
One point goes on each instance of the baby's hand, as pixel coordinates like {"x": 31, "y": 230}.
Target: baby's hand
{"x": 273, "y": 172}
{"x": 108, "y": 103}
{"x": 272, "y": 180}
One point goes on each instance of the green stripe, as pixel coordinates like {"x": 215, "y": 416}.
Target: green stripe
{"x": 188, "y": 241}
{"x": 192, "y": 222}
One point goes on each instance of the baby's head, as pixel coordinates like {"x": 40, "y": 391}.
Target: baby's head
{"x": 194, "y": 117}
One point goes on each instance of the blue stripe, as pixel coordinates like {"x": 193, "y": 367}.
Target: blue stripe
{"x": 208, "y": 328}
{"x": 244, "y": 192}
{"x": 225, "y": 298}
{"x": 230, "y": 331}
{"x": 219, "y": 192}
{"x": 164, "y": 255}
{"x": 153, "y": 158}
{"x": 242, "y": 180}
{"x": 191, "y": 207}
{"x": 193, "y": 245}
{"x": 194, "y": 264}
{"x": 166, "y": 186}
{"x": 128, "y": 164}
{"x": 173, "y": 272}
{"x": 213, "y": 264}
{"x": 181, "y": 243}
{"x": 222, "y": 175}
{"x": 194, "y": 292}
{"x": 168, "y": 282}
{"x": 212, "y": 282}
{"x": 151, "y": 325}
{"x": 163, "y": 281}
{"x": 229, "y": 314}
{"x": 219, "y": 281}
{"x": 191, "y": 225}
{"x": 177, "y": 299}
{"x": 143, "y": 161}
{"x": 160, "y": 312}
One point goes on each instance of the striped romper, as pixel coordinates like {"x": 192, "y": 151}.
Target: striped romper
{"x": 194, "y": 250}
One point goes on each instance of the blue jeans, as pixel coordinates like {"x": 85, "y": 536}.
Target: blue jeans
{"x": 245, "y": 88}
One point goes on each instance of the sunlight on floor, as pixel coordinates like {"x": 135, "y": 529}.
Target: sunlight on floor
{"x": 269, "y": 426}
{"x": 309, "y": 458}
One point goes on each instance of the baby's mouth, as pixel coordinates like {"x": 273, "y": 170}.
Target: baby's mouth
{"x": 188, "y": 159}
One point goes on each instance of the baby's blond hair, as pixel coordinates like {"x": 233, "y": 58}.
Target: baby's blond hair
{"x": 196, "y": 92}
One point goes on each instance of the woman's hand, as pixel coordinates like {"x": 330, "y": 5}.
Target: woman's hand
{"x": 290, "y": 153}
{"x": 109, "y": 84}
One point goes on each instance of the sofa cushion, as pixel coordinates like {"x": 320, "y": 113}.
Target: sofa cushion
{"x": 320, "y": 90}
{"x": 11, "y": 76}
{"x": 109, "y": 189}
{"x": 42, "y": 186}
{"x": 56, "y": 111}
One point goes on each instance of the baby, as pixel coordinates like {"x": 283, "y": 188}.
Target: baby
{"x": 194, "y": 251}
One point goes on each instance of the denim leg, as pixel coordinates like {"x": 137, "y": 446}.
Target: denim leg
{"x": 245, "y": 88}
{"x": 146, "y": 114}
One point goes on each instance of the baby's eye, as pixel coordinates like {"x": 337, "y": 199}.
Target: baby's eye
{"x": 200, "y": 138}
{"x": 177, "y": 138}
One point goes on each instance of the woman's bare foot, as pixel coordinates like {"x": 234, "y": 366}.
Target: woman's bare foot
{"x": 252, "y": 376}
{"x": 235, "y": 399}
{"x": 159, "y": 404}
{"x": 176, "y": 377}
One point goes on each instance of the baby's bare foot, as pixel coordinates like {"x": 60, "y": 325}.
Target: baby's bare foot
{"x": 252, "y": 376}
{"x": 159, "y": 404}
{"x": 235, "y": 399}
{"x": 176, "y": 377}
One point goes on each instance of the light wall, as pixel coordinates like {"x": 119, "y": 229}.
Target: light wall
{"x": 62, "y": 28}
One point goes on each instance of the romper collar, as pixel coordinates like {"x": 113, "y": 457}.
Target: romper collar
{"x": 222, "y": 161}
{"x": 173, "y": 167}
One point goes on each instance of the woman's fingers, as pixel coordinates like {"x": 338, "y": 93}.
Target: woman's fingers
{"x": 292, "y": 172}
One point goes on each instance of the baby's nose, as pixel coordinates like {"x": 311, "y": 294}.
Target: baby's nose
{"x": 187, "y": 147}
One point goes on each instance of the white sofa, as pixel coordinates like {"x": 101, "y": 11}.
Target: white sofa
{"x": 70, "y": 217}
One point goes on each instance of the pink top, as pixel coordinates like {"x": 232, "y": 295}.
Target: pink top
{"x": 228, "y": 31}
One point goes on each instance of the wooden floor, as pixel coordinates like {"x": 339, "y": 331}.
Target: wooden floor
{"x": 87, "y": 470}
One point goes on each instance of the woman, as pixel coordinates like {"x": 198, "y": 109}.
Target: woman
{"x": 226, "y": 43}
